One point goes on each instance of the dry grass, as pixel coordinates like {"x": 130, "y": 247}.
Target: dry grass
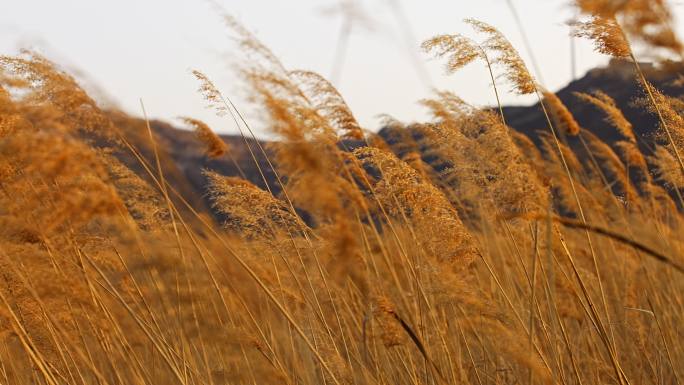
{"x": 507, "y": 264}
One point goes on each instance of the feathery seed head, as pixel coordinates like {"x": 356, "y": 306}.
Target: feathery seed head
{"x": 215, "y": 146}
{"x": 648, "y": 21}
{"x": 606, "y": 33}
{"x": 614, "y": 115}
{"x": 459, "y": 50}
{"x": 211, "y": 93}
{"x": 515, "y": 70}
{"x": 561, "y": 114}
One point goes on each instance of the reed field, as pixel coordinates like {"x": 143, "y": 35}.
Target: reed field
{"x": 486, "y": 257}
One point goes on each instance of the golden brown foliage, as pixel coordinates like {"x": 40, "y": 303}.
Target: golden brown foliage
{"x": 515, "y": 70}
{"x": 486, "y": 166}
{"x": 560, "y": 113}
{"x": 649, "y": 21}
{"x": 606, "y": 34}
{"x": 668, "y": 168}
{"x": 328, "y": 103}
{"x": 214, "y": 145}
{"x": 460, "y": 50}
{"x": 76, "y": 109}
{"x": 447, "y": 252}
{"x": 406, "y": 196}
{"x": 249, "y": 211}
{"x": 614, "y": 115}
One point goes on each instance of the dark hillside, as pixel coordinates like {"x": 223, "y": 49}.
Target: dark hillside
{"x": 617, "y": 80}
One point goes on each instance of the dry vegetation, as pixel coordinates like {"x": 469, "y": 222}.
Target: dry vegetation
{"x": 513, "y": 264}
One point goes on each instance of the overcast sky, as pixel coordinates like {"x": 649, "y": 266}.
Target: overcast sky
{"x": 132, "y": 49}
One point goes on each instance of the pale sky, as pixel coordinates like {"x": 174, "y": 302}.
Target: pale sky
{"x": 134, "y": 49}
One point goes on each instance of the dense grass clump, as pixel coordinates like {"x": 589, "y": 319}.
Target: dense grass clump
{"x": 460, "y": 251}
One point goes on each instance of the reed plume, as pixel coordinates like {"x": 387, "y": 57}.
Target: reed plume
{"x": 50, "y": 85}
{"x": 211, "y": 93}
{"x": 485, "y": 163}
{"x": 454, "y": 251}
{"x": 505, "y": 56}
{"x": 249, "y": 211}
{"x": 606, "y": 34}
{"x": 668, "y": 110}
{"x": 614, "y": 115}
{"x": 563, "y": 118}
{"x": 459, "y": 50}
{"x": 328, "y": 102}
{"x": 648, "y": 21}
{"x": 404, "y": 193}
{"x": 145, "y": 205}
{"x": 667, "y": 168}
{"x": 614, "y": 168}
{"x": 215, "y": 147}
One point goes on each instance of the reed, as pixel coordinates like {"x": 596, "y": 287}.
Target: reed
{"x": 453, "y": 251}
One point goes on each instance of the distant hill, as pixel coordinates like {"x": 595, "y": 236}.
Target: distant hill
{"x": 618, "y": 80}
{"x": 186, "y": 160}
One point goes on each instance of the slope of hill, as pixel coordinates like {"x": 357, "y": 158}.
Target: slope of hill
{"x": 616, "y": 80}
